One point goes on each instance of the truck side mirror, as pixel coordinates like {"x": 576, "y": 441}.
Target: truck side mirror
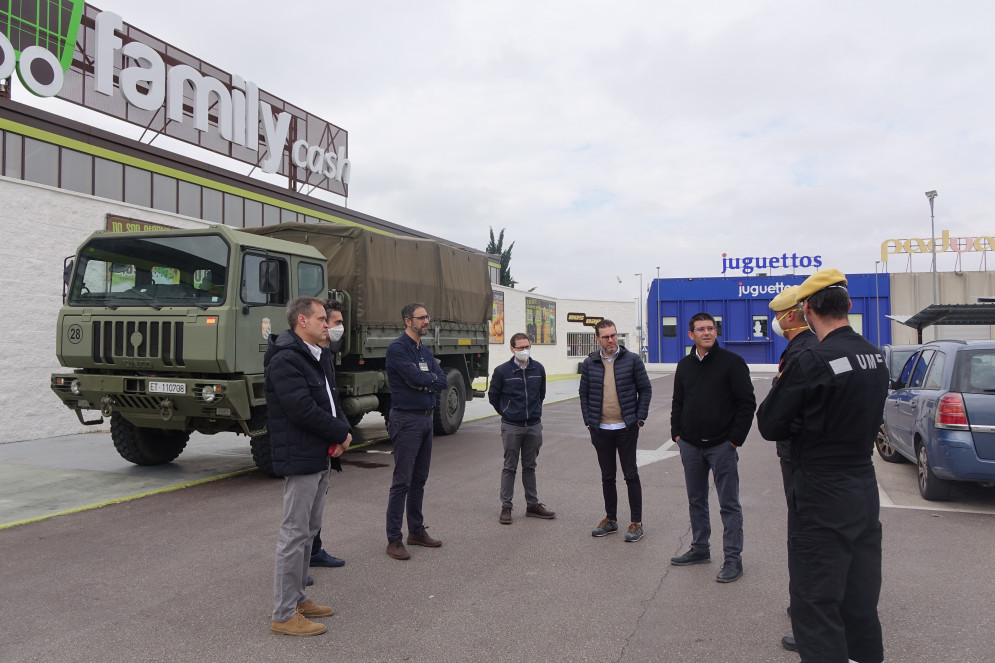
{"x": 269, "y": 277}
{"x": 67, "y": 271}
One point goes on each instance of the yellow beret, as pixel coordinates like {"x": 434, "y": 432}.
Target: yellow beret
{"x": 820, "y": 281}
{"x": 786, "y": 299}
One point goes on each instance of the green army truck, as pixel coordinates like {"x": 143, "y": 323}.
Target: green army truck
{"x": 166, "y": 330}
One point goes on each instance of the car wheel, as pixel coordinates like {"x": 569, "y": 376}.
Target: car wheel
{"x": 885, "y": 448}
{"x": 931, "y": 487}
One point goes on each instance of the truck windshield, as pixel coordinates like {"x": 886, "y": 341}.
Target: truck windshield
{"x": 151, "y": 271}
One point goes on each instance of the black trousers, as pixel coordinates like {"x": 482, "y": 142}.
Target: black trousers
{"x": 834, "y": 563}
{"x": 623, "y": 442}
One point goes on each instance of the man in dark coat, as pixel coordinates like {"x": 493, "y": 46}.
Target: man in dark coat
{"x": 615, "y": 401}
{"x": 306, "y": 426}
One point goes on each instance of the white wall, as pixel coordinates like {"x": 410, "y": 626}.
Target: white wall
{"x": 39, "y": 227}
{"x": 554, "y": 357}
{"x": 912, "y": 292}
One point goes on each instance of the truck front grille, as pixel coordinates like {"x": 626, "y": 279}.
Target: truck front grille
{"x": 114, "y": 340}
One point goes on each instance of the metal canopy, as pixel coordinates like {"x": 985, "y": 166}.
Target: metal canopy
{"x": 949, "y": 314}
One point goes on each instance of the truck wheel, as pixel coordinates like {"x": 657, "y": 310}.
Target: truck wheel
{"x": 262, "y": 454}
{"x": 146, "y": 446}
{"x": 354, "y": 419}
{"x": 451, "y": 404}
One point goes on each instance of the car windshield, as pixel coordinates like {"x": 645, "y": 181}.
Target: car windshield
{"x": 975, "y": 371}
{"x": 151, "y": 271}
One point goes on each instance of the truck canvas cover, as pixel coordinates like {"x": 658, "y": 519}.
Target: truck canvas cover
{"x": 384, "y": 272}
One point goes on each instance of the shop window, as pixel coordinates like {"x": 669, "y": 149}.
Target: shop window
{"x": 108, "y": 179}
{"x": 288, "y": 216}
{"x": 41, "y": 162}
{"x": 857, "y": 322}
{"x": 234, "y": 210}
{"x": 253, "y": 213}
{"x": 137, "y": 186}
{"x": 311, "y": 219}
{"x": 76, "y": 171}
{"x": 581, "y": 344}
{"x": 669, "y": 323}
{"x": 718, "y": 326}
{"x": 212, "y": 202}
{"x": 188, "y": 199}
{"x": 163, "y": 192}
{"x": 271, "y": 215}
{"x": 759, "y": 326}
{"x": 12, "y": 148}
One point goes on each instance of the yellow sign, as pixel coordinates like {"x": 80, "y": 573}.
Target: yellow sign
{"x": 945, "y": 243}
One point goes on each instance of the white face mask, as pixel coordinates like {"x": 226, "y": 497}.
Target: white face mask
{"x": 776, "y": 326}
{"x": 522, "y": 355}
{"x": 335, "y": 333}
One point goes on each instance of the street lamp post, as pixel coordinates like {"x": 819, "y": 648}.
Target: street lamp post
{"x": 640, "y": 351}
{"x": 932, "y": 247}
{"x": 877, "y": 303}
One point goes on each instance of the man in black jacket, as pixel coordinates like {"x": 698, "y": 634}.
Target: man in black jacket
{"x": 711, "y": 414}
{"x": 615, "y": 400}
{"x": 829, "y": 403}
{"x": 518, "y": 388}
{"x": 306, "y": 426}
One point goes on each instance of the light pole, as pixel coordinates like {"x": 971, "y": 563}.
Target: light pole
{"x": 641, "y": 294}
{"x": 877, "y": 302}
{"x": 932, "y": 247}
{"x": 659, "y": 320}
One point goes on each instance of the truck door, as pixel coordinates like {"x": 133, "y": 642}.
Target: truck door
{"x": 260, "y": 314}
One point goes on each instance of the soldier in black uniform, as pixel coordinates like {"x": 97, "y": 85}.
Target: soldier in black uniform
{"x": 828, "y": 403}
{"x": 789, "y": 322}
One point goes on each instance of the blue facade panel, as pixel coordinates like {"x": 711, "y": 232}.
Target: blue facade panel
{"x": 740, "y": 304}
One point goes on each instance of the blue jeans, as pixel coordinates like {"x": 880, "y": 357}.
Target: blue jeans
{"x": 411, "y": 435}
{"x": 723, "y": 461}
{"x": 521, "y": 441}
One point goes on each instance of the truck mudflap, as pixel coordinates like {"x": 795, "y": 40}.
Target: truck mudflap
{"x": 166, "y": 402}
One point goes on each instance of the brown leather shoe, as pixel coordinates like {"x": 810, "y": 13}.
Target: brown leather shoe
{"x": 421, "y": 538}
{"x": 310, "y": 609}
{"x": 397, "y": 550}
{"x": 539, "y": 511}
{"x": 505, "y": 518}
{"x": 297, "y": 625}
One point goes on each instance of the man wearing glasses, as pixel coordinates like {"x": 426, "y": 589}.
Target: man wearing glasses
{"x": 414, "y": 377}
{"x": 615, "y": 400}
{"x": 518, "y": 388}
{"x": 711, "y": 414}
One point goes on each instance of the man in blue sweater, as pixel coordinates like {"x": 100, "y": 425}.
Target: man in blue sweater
{"x": 711, "y": 414}
{"x": 518, "y": 388}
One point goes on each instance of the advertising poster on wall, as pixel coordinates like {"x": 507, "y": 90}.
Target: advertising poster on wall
{"x": 497, "y": 318}
{"x": 540, "y": 321}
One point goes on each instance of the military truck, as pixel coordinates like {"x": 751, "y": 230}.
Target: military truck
{"x": 166, "y": 330}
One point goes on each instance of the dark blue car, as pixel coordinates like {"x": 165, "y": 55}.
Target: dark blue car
{"x": 941, "y": 415}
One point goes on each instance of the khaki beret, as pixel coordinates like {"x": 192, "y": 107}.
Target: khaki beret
{"x": 820, "y": 281}
{"x": 786, "y": 299}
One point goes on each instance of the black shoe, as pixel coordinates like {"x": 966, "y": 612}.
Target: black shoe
{"x": 789, "y": 611}
{"x": 691, "y": 557}
{"x": 788, "y": 642}
{"x": 731, "y": 572}
{"x": 309, "y": 581}
{"x": 321, "y": 558}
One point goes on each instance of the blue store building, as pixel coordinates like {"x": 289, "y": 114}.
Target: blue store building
{"x": 740, "y": 307}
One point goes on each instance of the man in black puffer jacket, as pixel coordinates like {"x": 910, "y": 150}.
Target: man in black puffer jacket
{"x": 711, "y": 414}
{"x": 615, "y": 400}
{"x": 306, "y": 426}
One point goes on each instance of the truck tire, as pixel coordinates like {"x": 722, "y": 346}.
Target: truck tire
{"x": 146, "y": 446}
{"x": 354, "y": 419}
{"x": 262, "y": 454}
{"x": 451, "y": 404}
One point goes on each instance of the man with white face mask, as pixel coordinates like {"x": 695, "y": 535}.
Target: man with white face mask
{"x": 518, "y": 388}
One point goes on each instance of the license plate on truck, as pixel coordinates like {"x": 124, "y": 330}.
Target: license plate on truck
{"x": 167, "y": 388}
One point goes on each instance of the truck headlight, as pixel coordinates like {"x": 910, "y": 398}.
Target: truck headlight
{"x": 74, "y": 387}
{"x": 210, "y": 392}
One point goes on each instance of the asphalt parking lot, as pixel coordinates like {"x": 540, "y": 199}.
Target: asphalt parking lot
{"x": 186, "y": 575}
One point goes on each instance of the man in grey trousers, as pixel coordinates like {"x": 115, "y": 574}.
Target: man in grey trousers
{"x": 518, "y": 388}
{"x": 306, "y": 426}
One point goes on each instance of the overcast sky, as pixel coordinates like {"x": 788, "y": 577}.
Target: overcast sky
{"x": 609, "y": 139}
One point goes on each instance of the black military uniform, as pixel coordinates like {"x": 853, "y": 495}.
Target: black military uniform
{"x": 829, "y": 404}
{"x": 802, "y": 340}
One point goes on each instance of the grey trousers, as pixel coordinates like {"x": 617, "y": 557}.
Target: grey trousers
{"x": 521, "y": 441}
{"x": 723, "y": 461}
{"x": 303, "y": 503}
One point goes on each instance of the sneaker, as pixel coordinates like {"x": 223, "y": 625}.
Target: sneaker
{"x": 421, "y": 538}
{"x": 539, "y": 511}
{"x": 691, "y": 557}
{"x": 321, "y": 558}
{"x": 788, "y": 642}
{"x": 605, "y": 527}
{"x": 505, "y": 517}
{"x": 310, "y": 609}
{"x": 397, "y": 550}
{"x": 635, "y": 533}
{"x": 730, "y": 572}
{"x": 310, "y": 581}
{"x": 298, "y": 625}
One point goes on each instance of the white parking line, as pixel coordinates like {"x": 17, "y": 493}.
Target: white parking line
{"x": 887, "y": 503}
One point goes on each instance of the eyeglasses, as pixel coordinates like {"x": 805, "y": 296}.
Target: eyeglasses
{"x": 527, "y": 347}
{"x": 608, "y": 338}
{"x": 702, "y": 330}
{"x": 426, "y": 318}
